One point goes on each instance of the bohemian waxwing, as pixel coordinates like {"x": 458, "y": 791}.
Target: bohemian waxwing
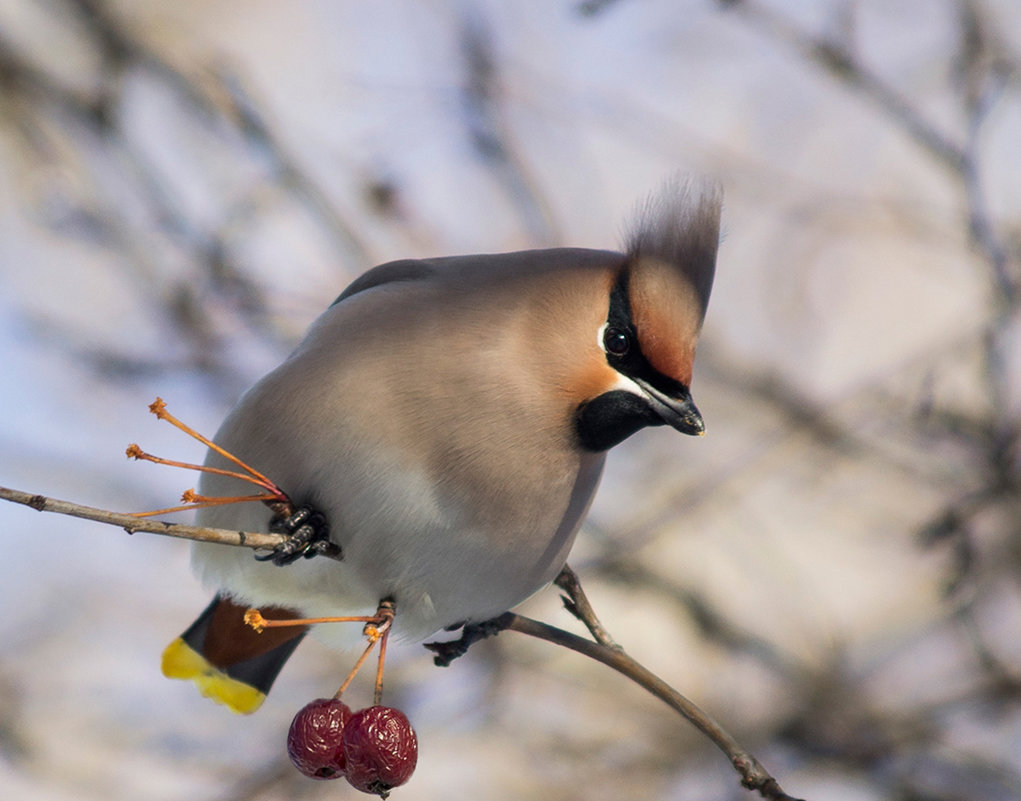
{"x": 449, "y": 418}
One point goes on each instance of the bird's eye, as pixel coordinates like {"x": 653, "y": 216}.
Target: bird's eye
{"x": 616, "y": 341}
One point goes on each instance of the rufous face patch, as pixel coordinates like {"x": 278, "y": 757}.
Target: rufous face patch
{"x": 667, "y": 316}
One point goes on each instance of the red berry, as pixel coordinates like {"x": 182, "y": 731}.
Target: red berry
{"x": 380, "y": 749}
{"x": 314, "y": 741}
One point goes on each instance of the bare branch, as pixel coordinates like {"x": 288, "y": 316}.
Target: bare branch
{"x": 577, "y": 603}
{"x": 753, "y": 775}
{"x": 131, "y": 524}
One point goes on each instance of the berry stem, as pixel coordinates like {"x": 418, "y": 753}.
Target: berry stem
{"x": 255, "y": 619}
{"x": 135, "y": 452}
{"x": 356, "y": 668}
{"x": 274, "y": 497}
{"x": 201, "y": 502}
{"x": 159, "y": 408}
{"x": 376, "y": 630}
{"x": 377, "y": 696}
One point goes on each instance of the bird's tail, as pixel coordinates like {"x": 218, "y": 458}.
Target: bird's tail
{"x": 227, "y": 659}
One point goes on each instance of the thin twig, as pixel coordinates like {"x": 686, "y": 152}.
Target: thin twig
{"x": 577, "y": 603}
{"x": 131, "y": 524}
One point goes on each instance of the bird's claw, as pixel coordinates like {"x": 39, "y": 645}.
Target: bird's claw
{"x": 308, "y": 535}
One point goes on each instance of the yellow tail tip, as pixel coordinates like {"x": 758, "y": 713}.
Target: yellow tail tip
{"x": 181, "y": 661}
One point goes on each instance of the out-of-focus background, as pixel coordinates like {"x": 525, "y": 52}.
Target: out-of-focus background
{"x": 833, "y": 572}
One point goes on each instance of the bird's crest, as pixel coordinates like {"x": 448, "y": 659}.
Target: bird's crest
{"x": 671, "y": 250}
{"x": 680, "y": 226}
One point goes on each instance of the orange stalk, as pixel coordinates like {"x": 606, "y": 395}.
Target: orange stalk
{"x": 255, "y": 619}
{"x": 159, "y": 408}
{"x": 135, "y": 452}
{"x": 355, "y": 669}
{"x": 377, "y": 629}
{"x": 377, "y": 695}
{"x": 202, "y": 502}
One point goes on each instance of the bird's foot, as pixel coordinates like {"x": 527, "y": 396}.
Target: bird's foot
{"x": 471, "y": 633}
{"x": 308, "y": 535}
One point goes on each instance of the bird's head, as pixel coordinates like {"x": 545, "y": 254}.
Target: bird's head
{"x": 654, "y": 308}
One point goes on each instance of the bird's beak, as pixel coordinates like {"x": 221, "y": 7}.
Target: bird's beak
{"x": 678, "y": 412}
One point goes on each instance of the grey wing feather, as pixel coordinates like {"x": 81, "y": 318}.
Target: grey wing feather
{"x": 391, "y": 272}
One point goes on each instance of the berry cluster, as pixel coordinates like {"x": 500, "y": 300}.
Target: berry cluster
{"x": 374, "y": 748}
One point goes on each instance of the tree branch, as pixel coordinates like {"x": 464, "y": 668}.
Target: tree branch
{"x": 577, "y": 603}
{"x": 131, "y": 524}
{"x": 753, "y": 775}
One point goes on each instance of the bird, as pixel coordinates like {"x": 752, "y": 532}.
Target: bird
{"x": 442, "y": 428}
